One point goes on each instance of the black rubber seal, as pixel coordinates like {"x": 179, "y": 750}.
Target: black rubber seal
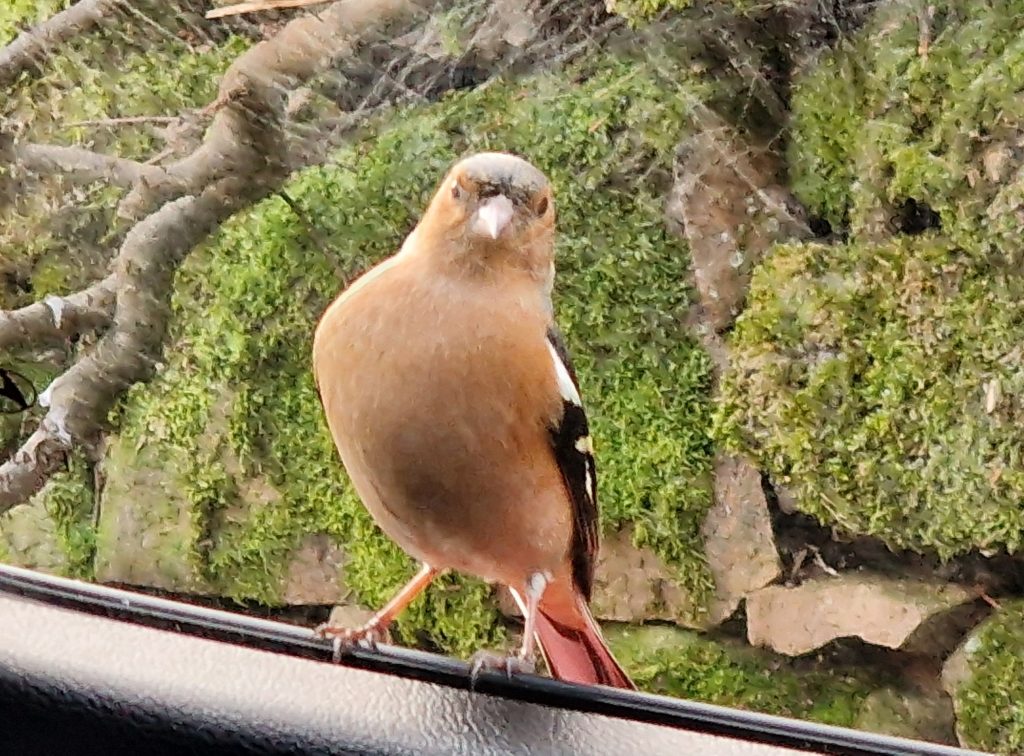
{"x": 292, "y": 640}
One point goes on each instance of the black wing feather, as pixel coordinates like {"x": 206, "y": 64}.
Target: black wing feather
{"x": 579, "y": 473}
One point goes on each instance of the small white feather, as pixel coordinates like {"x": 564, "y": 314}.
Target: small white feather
{"x": 565, "y": 385}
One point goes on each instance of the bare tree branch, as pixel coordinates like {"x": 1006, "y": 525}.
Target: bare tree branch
{"x": 29, "y": 48}
{"x": 260, "y": 5}
{"x": 246, "y": 135}
{"x": 57, "y": 318}
{"x": 241, "y": 161}
{"x": 80, "y": 398}
{"x": 518, "y": 35}
{"x": 86, "y": 166}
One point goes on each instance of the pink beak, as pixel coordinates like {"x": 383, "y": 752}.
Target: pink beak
{"x": 494, "y": 216}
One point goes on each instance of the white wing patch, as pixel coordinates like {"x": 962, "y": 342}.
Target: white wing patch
{"x": 565, "y": 385}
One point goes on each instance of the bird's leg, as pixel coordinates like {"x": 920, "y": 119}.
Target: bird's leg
{"x": 378, "y": 624}
{"x": 523, "y": 661}
{"x": 535, "y": 586}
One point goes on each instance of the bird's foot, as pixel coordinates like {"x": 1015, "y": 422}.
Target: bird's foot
{"x": 367, "y": 636}
{"x": 491, "y": 661}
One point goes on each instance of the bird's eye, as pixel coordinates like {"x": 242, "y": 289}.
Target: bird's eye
{"x": 542, "y": 206}
{"x": 457, "y": 191}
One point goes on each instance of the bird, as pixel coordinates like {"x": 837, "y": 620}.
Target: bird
{"x": 455, "y": 409}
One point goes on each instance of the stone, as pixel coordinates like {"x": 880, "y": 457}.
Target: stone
{"x": 28, "y": 538}
{"x": 785, "y": 498}
{"x": 350, "y": 615}
{"x": 728, "y": 204}
{"x": 738, "y": 538}
{"x": 878, "y": 609}
{"x": 633, "y": 584}
{"x": 146, "y": 535}
{"x": 149, "y": 534}
{"x": 314, "y": 573}
{"x": 908, "y": 714}
{"x": 957, "y": 669}
{"x": 353, "y": 617}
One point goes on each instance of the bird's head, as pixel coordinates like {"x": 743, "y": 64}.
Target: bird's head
{"x": 491, "y": 209}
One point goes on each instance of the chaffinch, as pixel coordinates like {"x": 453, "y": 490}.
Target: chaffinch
{"x": 456, "y": 411}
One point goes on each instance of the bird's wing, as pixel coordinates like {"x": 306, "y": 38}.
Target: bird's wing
{"x": 573, "y": 449}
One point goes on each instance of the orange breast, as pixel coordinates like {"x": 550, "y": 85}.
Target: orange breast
{"x": 439, "y": 393}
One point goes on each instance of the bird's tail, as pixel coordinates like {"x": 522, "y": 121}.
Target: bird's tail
{"x": 573, "y": 646}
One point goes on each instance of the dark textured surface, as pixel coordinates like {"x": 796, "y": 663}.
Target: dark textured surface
{"x": 72, "y": 684}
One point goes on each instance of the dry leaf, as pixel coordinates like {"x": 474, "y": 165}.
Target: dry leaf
{"x": 993, "y": 393}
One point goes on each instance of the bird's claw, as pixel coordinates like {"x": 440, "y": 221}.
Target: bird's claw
{"x": 345, "y": 638}
{"x": 489, "y": 661}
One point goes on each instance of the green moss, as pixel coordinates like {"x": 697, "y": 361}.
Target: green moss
{"x": 638, "y": 10}
{"x": 859, "y": 380}
{"x": 879, "y": 380}
{"x": 69, "y": 500}
{"x": 877, "y": 122}
{"x": 990, "y": 704}
{"x": 247, "y": 305}
{"x": 687, "y": 665}
{"x": 144, "y": 77}
{"x": 54, "y": 531}
{"x": 18, "y": 15}
{"x": 827, "y": 119}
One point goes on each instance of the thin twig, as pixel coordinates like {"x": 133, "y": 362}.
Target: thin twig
{"x": 125, "y": 120}
{"x": 164, "y": 153}
{"x": 820, "y": 561}
{"x": 173, "y": 38}
{"x": 258, "y": 6}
